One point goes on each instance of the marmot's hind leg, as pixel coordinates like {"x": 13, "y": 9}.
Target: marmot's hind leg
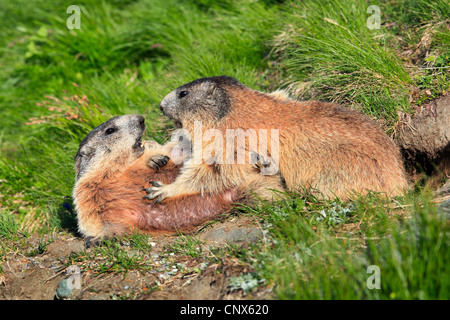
{"x": 90, "y": 242}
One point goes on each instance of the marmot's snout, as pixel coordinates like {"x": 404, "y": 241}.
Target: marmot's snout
{"x": 141, "y": 121}
{"x": 134, "y": 124}
{"x": 164, "y": 102}
{"x": 165, "y": 110}
{"x": 136, "y": 120}
{"x": 170, "y": 107}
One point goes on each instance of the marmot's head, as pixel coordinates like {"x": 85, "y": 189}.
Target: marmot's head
{"x": 111, "y": 144}
{"x": 204, "y": 99}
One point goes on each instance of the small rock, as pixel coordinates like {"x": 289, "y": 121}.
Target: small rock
{"x": 64, "y": 290}
{"x": 235, "y": 235}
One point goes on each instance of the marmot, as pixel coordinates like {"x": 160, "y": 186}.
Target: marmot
{"x": 323, "y": 147}
{"x": 112, "y": 168}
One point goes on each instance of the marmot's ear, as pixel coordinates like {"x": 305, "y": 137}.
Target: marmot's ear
{"x": 210, "y": 89}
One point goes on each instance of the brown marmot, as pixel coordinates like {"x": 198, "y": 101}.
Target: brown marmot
{"x": 323, "y": 147}
{"x": 112, "y": 168}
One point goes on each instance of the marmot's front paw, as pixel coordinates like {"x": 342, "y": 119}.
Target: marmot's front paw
{"x": 157, "y": 161}
{"x": 259, "y": 162}
{"x": 155, "y": 192}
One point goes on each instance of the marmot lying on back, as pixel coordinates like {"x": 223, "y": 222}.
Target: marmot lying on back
{"x": 112, "y": 168}
{"x": 322, "y": 147}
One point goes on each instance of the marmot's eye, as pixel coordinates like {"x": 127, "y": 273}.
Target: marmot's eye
{"x": 110, "y": 130}
{"x": 183, "y": 94}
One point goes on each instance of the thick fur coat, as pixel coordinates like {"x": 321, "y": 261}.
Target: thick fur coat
{"x": 112, "y": 171}
{"x": 323, "y": 147}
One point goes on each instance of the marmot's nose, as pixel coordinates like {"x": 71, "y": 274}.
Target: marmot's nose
{"x": 141, "y": 121}
{"x": 161, "y": 107}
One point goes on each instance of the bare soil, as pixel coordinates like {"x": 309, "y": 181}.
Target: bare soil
{"x": 37, "y": 277}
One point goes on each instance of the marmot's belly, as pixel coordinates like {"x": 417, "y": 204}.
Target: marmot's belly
{"x": 126, "y": 208}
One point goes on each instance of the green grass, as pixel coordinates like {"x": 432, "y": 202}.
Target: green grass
{"x": 309, "y": 259}
{"x": 116, "y": 256}
{"x": 187, "y": 245}
{"x": 331, "y": 54}
{"x": 13, "y": 238}
{"x": 9, "y": 227}
{"x": 57, "y": 84}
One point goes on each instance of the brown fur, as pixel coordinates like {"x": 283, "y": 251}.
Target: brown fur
{"x": 112, "y": 170}
{"x": 112, "y": 203}
{"x": 323, "y": 147}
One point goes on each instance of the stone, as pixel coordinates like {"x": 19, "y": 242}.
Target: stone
{"x": 64, "y": 290}
{"x": 234, "y": 235}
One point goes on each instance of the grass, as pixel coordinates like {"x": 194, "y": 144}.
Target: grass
{"x": 57, "y": 84}
{"x": 116, "y": 256}
{"x": 187, "y": 245}
{"x": 309, "y": 259}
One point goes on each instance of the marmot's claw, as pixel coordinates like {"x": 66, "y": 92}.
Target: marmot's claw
{"x": 259, "y": 161}
{"x": 155, "y": 192}
{"x": 156, "y": 183}
{"x": 90, "y": 242}
{"x": 153, "y": 196}
{"x": 151, "y": 192}
{"x": 158, "y": 161}
{"x": 158, "y": 200}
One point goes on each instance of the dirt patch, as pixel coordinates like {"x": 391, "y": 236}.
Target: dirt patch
{"x": 424, "y": 138}
{"x": 66, "y": 270}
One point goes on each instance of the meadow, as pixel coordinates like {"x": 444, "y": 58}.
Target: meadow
{"x": 58, "y": 83}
